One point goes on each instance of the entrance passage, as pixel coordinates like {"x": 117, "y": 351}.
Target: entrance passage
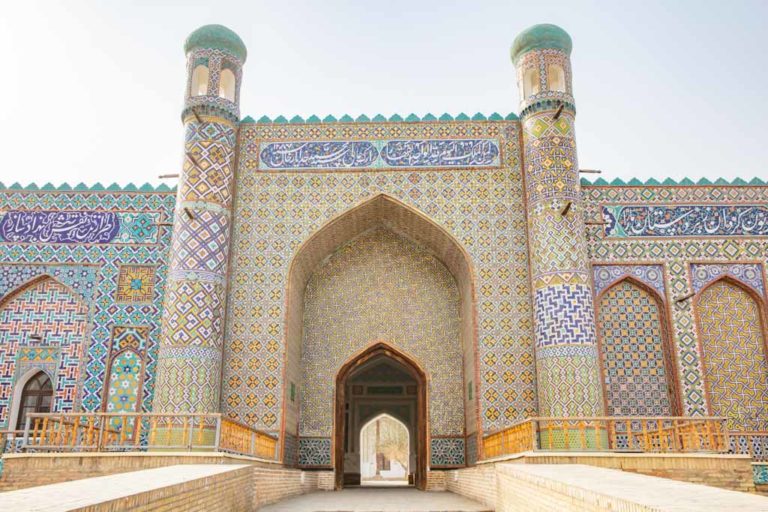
{"x": 380, "y": 423}
{"x": 384, "y": 452}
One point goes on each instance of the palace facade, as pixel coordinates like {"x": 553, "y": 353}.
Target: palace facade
{"x": 306, "y": 276}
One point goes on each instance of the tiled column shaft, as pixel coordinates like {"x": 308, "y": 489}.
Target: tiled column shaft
{"x": 189, "y": 364}
{"x": 567, "y": 362}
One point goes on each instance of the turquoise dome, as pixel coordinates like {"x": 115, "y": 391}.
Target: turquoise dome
{"x": 541, "y": 36}
{"x": 218, "y": 37}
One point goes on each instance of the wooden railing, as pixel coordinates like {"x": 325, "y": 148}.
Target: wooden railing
{"x": 119, "y": 432}
{"x": 619, "y": 434}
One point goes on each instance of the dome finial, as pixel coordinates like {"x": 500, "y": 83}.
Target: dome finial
{"x": 541, "y": 36}
{"x": 218, "y": 37}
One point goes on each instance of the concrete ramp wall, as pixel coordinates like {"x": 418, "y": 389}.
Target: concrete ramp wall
{"x": 192, "y": 487}
{"x": 581, "y": 488}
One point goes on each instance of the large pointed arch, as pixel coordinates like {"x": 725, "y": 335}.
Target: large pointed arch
{"x": 409, "y": 223}
{"x": 666, "y": 347}
{"x": 741, "y": 331}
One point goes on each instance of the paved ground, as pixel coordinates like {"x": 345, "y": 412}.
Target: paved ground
{"x": 376, "y": 500}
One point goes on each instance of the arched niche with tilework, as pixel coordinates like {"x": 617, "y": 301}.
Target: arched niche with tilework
{"x": 393, "y": 224}
{"x": 43, "y": 327}
{"x": 638, "y": 365}
{"x": 730, "y": 321}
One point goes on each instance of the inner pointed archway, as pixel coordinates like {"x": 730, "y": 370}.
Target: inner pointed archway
{"x": 409, "y": 407}
{"x": 384, "y": 452}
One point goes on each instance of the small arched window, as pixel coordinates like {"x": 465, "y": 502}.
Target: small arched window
{"x": 37, "y": 396}
{"x": 199, "y": 81}
{"x": 556, "y": 78}
{"x": 227, "y": 84}
{"x": 530, "y": 82}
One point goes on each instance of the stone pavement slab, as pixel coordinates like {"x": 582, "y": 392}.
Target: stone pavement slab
{"x": 378, "y": 499}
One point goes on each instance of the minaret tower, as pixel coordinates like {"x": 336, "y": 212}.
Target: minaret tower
{"x": 567, "y": 364}
{"x": 189, "y": 363}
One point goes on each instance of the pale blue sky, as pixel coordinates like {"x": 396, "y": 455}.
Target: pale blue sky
{"x": 93, "y": 90}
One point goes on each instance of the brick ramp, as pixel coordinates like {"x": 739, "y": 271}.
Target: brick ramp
{"x": 523, "y": 487}
{"x": 201, "y": 487}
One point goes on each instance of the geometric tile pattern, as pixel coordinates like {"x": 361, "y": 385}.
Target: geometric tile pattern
{"x": 49, "y": 310}
{"x": 750, "y": 274}
{"x": 193, "y": 314}
{"x": 606, "y": 275}
{"x": 135, "y": 283}
{"x": 124, "y": 386}
{"x": 381, "y": 286}
{"x": 189, "y": 366}
{"x": 635, "y": 359}
{"x": 278, "y": 210}
{"x": 314, "y": 451}
{"x": 200, "y": 245}
{"x": 447, "y": 451}
{"x": 91, "y": 270}
{"x": 564, "y": 315}
{"x": 677, "y": 255}
{"x": 733, "y": 349}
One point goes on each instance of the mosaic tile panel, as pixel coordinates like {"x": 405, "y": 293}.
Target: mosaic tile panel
{"x": 380, "y": 286}
{"x": 760, "y": 474}
{"x": 652, "y": 275}
{"x": 635, "y": 361}
{"x": 379, "y": 154}
{"x": 678, "y": 254}
{"x": 686, "y": 220}
{"x": 49, "y": 310}
{"x": 446, "y": 451}
{"x": 126, "y": 370}
{"x": 135, "y": 283}
{"x": 91, "y": 270}
{"x": 733, "y": 350}
{"x": 748, "y": 273}
{"x": 77, "y": 227}
{"x": 277, "y": 210}
{"x": 314, "y": 451}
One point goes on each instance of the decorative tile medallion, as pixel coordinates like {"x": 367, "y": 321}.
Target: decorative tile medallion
{"x": 135, "y": 283}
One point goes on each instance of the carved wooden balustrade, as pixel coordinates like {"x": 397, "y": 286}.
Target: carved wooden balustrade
{"x": 660, "y": 434}
{"x": 121, "y": 432}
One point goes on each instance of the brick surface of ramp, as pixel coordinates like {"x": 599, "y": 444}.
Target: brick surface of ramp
{"x": 534, "y": 487}
{"x": 377, "y": 499}
{"x": 182, "y": 487}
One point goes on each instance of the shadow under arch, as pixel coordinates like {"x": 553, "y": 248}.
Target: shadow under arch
{"x": 404, "y": 220}
{"x": 760, "y": 304}
{"x": 670, "y": 356}
{"x": 385, "y": 350}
